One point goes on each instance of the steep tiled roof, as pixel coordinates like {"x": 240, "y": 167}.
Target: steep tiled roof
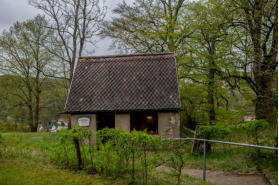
{"x": 124, "y": 83}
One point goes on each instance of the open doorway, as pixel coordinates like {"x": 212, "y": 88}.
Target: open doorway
{"x": 105, "y": 120}
{"x": 145, "y": 121}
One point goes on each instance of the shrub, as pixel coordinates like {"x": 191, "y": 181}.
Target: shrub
{"x": 65, "y": 151}
{"x": 177, "y": 158}
{"x": 217, "y": 132}
{"x": 130, "y": 152}
{"x": 118, "y": 153}
{"x": 6, "y": 126}
{"x": 253, "y": 129}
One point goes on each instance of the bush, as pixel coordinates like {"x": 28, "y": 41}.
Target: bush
{"x": 117, "y": 153}
{"x": 253, "y": 129}
{"x": 8, "y": 126}
{"x": 121, "y": 152}
{"x": 177, "y": 158}
{"x": 217, "y": 132}
{"x": 65, "y": 151}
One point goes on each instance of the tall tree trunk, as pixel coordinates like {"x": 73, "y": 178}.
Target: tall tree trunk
{"x": 37, "y": 95}
{"x": 37, "y": 110}
{"x": 30, "y": 112}
{"x": 265, "y": 103}
{"x": 264, "y": 64}
{"x": 210, "y": 85}
{"x": 210, "y": 97}
{"x": 75, "y": 38}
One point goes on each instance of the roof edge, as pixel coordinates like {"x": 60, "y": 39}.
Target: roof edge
{"x": 122, "y": 111}
{"x": 126, "y": 55}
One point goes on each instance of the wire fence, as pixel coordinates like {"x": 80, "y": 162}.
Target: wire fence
{"x": 223, "y": 142}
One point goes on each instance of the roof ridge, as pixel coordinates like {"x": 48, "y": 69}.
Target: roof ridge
{"x": 126, "y": 55}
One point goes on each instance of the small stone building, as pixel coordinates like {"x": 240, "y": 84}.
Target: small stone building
{"x": 127, "y": 92}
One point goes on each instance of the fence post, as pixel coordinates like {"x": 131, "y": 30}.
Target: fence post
{"x": 204, "y": 160}
{"x": 77, "y": 146}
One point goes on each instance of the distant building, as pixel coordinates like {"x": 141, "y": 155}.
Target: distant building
{"x": 127, "y": 92}
{"x": 249, "y": 118}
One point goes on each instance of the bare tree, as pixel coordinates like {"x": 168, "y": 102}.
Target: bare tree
{"x": 75, "y": 23}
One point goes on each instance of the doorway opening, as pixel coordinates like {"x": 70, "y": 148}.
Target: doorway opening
{"x": 145, "y": 121}
{"x": 105, "y": 120}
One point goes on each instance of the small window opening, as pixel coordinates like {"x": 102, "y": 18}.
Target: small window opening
{"x": 145, "y": 121}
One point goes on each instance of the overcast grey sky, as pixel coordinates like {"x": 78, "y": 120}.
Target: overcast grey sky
{"x": 19, "y": 10}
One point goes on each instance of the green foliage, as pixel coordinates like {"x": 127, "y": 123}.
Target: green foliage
{"x": 253, "y": 129}
{"x": 1, "y": 146}
{"x": 217, "y": 132}
{"x": 253, "y": 126}
{"x": 149, "y": 26}
{"x": 8, "y": 126}
{"x": 117, "y": 152}
{"x": 177, "y": 159}
{"x": 193, "y": 101}
{"x": 230, "y": 117}
{"x": 64, "y": 152}
{"x": 122, "y": 152}
{"x": 14, "y": 146}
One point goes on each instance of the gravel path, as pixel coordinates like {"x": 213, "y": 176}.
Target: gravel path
{"x": 223, "y": 178}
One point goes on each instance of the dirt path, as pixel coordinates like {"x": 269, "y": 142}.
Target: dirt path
{"x": 223, "y": 178}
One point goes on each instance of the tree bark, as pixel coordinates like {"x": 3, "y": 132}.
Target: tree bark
{"x": 211, "y": 82}
{"x": 30, "y": 111}
{"x": 265, "y": 104}
{"x": 37, "y": 96}
{"x": 264, "y": 62}
{"x": 37, "y": 110}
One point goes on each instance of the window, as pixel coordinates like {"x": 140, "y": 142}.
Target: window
{"x": 145, "y": 121}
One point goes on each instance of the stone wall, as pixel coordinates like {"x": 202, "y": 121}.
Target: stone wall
{"x": 169, "y": 124}
{"x": 122, "y": 121}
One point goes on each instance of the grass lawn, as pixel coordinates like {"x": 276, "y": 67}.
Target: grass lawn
{"x": 26, "y": 172}
{"x": 32, "y": 139}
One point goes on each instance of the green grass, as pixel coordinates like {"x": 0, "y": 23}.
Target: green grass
{"x": 23, "y": 172}
{"x": 30, "y": 139}
{"x": 26, "y": 172}
{"x": 235, "y": 160}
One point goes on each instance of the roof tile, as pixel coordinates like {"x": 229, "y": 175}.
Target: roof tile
{"x": 124, "y": 83}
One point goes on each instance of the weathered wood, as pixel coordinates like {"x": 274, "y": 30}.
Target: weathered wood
{"x": 195, "y": 143}
{"x": 77, "y": 146}
{"x": 190, "y": 130}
